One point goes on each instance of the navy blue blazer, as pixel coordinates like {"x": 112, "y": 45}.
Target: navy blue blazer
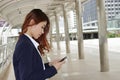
{"x": 27, "y": 62}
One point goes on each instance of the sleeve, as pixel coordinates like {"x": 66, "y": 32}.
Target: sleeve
{"x": 25, "y": 67}
{"x": 47, "y": 65}
{"x": 49, "y": 72}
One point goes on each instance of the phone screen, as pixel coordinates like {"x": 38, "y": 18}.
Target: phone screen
{"x": 63, "y": 59}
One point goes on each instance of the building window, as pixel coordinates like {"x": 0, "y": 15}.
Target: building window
{"x": 108, "y": 4}
{"x": 109, "y": 16}
{"x": 112, "y": 12}
{"x": 116, "y": 8}
{"x": 93, "y": 24}
{"x": 115, "y": 0}
{"x": 116, "y": 12}
{"x": 88, "y": 24}
{"x": 116, "y": 5}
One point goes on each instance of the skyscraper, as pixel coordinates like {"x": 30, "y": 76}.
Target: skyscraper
{"x": 112, "y": 8}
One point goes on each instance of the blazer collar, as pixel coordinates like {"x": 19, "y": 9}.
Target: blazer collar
{"x": 33, "y": 41}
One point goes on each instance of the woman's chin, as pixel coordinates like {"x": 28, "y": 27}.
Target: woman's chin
{"x": 37, "y": 37}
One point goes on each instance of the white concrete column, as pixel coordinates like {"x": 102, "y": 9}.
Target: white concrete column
{"x": 103, "y": 44}
{"x": 57, "y": 31}
{"x": 50, "y": 33}
{"x": 79, "y": 29}
{"x": 66, "y": 30}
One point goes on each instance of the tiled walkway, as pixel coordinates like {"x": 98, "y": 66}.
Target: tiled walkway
{"x": 88, "y": 68}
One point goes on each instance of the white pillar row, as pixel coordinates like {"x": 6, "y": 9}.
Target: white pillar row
{"x": 66, "y": 29}
{"x": 57, "y": 31}
{"x": 79, "y": 29}
{"x": 102, "y": 29}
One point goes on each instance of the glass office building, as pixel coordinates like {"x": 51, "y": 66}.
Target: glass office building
{"x": 112, "y": 8}
{"x": 89, "y": 14}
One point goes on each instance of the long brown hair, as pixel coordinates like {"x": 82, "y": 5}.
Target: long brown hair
{"x": 38, "y": 16}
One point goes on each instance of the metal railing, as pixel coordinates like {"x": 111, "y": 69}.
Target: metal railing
{"x": 6, "y": 53}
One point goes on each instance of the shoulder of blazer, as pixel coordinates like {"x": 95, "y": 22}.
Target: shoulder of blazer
{"x": 24, "y": 43}
{"x": 24, "y": 39}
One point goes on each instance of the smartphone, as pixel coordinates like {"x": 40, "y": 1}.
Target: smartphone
{"x": 63, "y": 59}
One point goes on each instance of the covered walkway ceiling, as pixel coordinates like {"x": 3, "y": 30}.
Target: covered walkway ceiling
{"x": 14, "y": 11}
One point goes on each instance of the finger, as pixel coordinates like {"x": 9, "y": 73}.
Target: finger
{"x": 62, "y": 62}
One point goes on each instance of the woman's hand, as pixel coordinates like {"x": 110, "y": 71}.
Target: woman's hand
{"x": 57, "y": 64}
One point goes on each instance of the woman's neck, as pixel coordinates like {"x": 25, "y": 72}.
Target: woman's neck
{"x": 28, "y": 33}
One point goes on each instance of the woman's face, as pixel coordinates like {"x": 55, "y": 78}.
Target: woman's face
{"x": 38, "y": 29}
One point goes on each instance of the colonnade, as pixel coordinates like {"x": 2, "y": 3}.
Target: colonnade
{"x": 102, "y": 30}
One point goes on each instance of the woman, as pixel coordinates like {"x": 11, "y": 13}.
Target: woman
{"x": 32, "y": 42}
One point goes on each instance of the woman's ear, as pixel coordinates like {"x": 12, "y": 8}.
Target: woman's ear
{"x": 32, "y": 22}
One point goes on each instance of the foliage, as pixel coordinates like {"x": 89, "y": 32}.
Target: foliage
{"x": 113, "y": 35}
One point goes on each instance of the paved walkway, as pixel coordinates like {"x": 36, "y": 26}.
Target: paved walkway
{"x": 88, "y": 68}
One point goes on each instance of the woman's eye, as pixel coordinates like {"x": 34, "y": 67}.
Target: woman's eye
{"x": 42, "y": 27}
